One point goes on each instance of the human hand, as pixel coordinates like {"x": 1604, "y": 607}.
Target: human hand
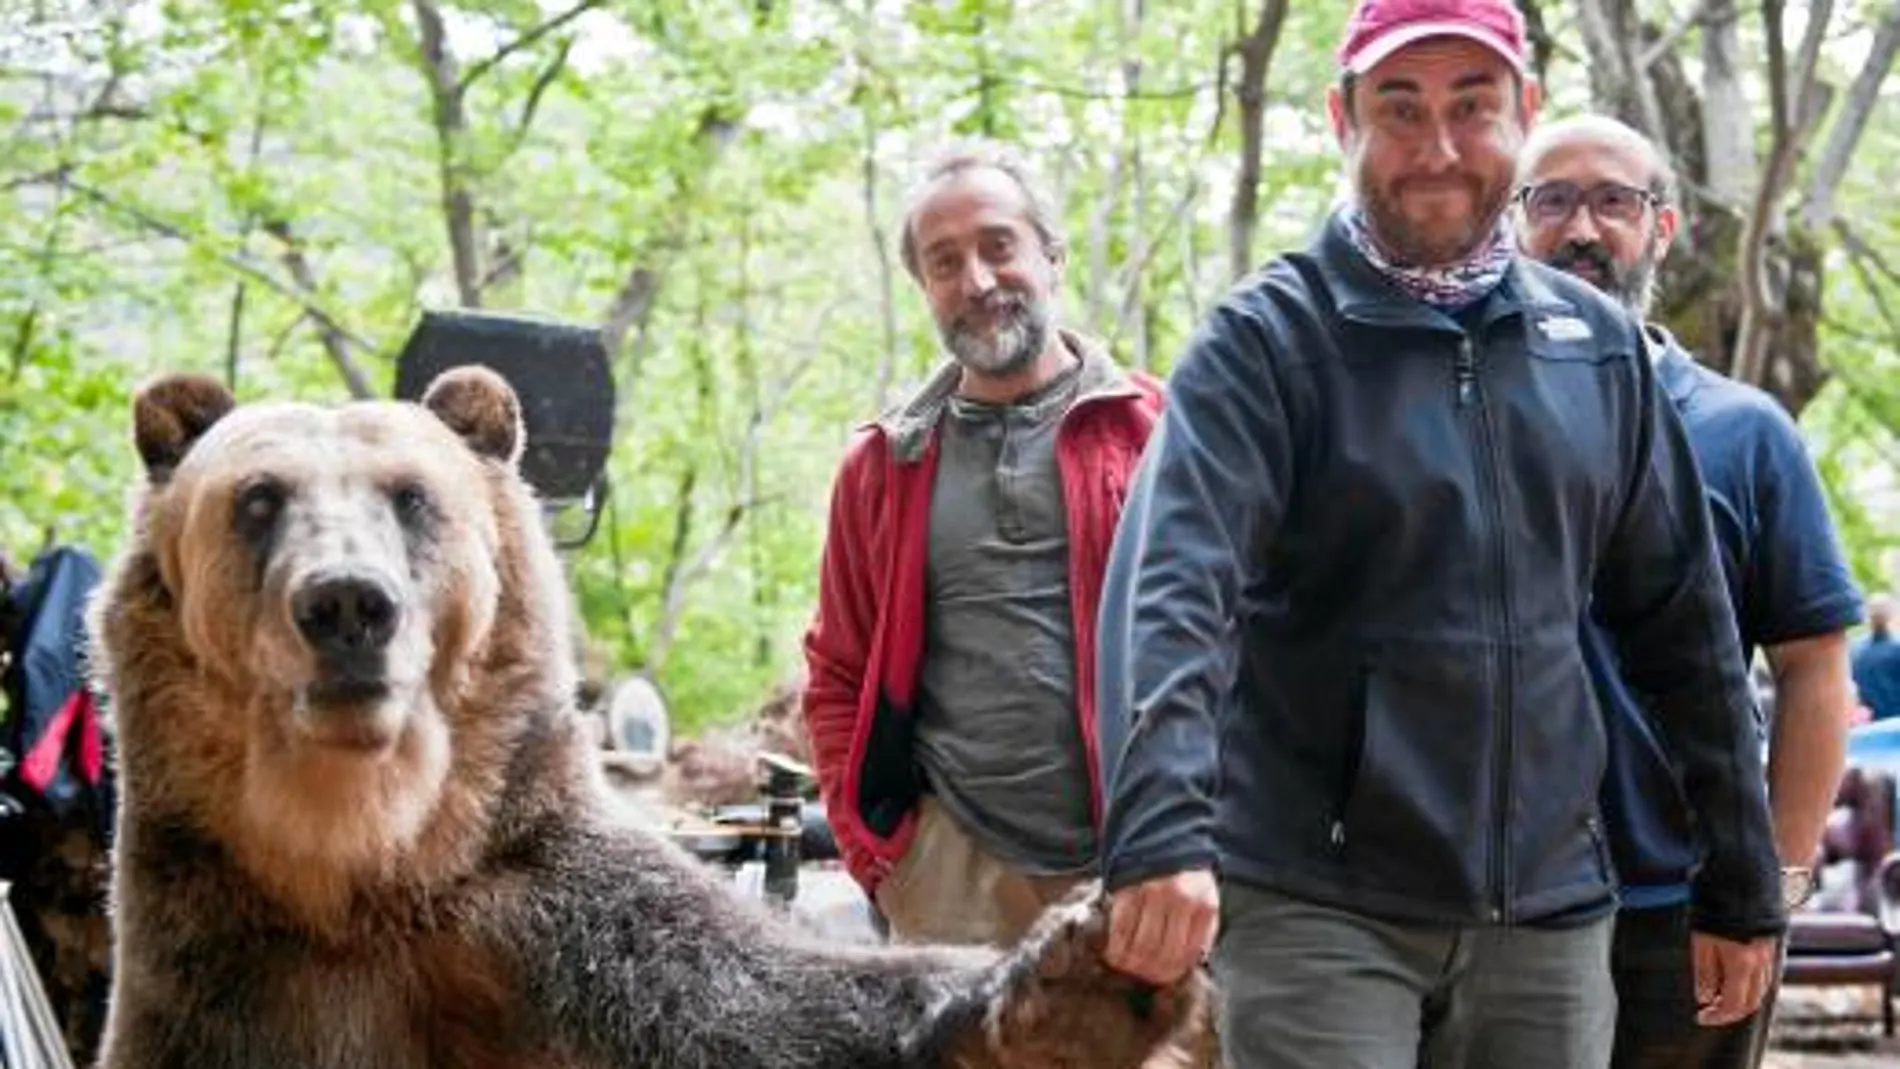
{"x": 1160, "y": 929}
{"x": 1730, "y": 977}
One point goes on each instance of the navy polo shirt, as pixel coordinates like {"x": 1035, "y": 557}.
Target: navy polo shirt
{"x": 1877, "y": 674}
{"x": 1787, "y": 579}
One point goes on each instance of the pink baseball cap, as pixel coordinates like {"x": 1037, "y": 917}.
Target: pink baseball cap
{"x": 1379, "y": 28}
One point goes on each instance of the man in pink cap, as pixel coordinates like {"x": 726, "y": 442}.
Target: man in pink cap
{"x": 1345, "y": 715}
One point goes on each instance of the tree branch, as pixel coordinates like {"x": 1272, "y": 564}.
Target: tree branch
{"x": 28, "y": 331}
{"x": 335, "y": 342}
{"x": 283, "y": 336}
{"x": 1667, "y": 43}
{"x": 681, "y": 573}
{"x": 1858, "y": 247}
{"x": 1796, "y": 108}
{"x": 1845, "y": 135}
{"x": 234, "y": 334}
{"x": 1178, "y": 92}
{"x": 1137, "y": 265}
{"x": 1778, "y": 122}
{"x": 526, "y": 39}
{"x": 1728, "y": 134}
{"x": 1861, "y": 263}
{"x": 542, "y": 83}
{"x": 1227, "y": 52}
{"x": 881, "y": 252}
{"x": 1612, "y": 32}
{"x": 23, "y": 339}
{"x": 633, "y": 301}
{"x": 635, "y": 297}
{"x": 451, "y": 125}
{"x": 662, "y": 640}
{"x": 240, "y": 290}
{"x": 37, "y": 178}
{"x": 1256, "y": 56}
{"x": 300, "y": 296}
{"x": 1805, "y": 95}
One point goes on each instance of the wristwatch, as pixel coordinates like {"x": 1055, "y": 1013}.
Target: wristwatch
{"x": 1798, "y": 884}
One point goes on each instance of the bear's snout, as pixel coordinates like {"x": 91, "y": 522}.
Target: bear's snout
{"x": 346, "y": 619}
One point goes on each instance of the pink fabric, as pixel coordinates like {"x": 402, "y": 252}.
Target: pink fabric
{"x": 41, "y": 763}
{"x": 1378, "y": 28}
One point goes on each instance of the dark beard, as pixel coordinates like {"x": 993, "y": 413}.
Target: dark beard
{"x": 1408, "y": 248}
{"x": 1632, "y": 286}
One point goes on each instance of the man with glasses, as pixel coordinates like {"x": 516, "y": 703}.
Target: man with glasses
{"x": 1598, "y": 200}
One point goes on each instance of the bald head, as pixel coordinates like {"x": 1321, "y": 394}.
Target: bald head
{"x": 1598, "y": 201}
{"x": 1599, "y": 133}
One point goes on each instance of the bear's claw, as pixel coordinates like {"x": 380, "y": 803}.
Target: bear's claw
{"x": 1055, "y": 1003}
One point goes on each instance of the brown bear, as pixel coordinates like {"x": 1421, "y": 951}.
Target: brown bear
{"x": 361, "y": 826}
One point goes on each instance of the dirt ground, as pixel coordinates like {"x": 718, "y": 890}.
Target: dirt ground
{"x": 1830, "y": 1028}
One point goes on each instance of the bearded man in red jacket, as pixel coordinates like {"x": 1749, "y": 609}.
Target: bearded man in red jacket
{"x": 951, "y": 702}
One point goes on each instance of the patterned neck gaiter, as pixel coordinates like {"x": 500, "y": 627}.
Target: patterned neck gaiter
{"x": 1451, "y": 286}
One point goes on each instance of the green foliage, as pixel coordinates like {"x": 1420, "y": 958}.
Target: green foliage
{"x": 200, "y": 189}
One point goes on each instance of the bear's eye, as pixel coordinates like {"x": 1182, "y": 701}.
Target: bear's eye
{"x": 410, "y": 501}
{"x": 258, "y": 505}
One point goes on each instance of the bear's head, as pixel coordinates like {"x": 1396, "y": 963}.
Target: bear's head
{"x": 332, "y": 622}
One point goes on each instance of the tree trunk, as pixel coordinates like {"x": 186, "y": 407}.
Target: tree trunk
{"x": 1818, "y": 211}
{"x": 1741, "y": 263}
{"x": 1613, "y": 35}
{"x": 633, "y": 302}
{"x": 451, "y": 127}
{"x": 1728, "y": 131}
{"x": 881, "y": 255}
{"x": 1133, "y": 12}
{"x": 1256, "y": 56}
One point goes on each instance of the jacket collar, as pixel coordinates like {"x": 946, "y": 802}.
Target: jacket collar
{"x": 1675, "y": 368}
{"x": 1364, "y": 295}
{"x": 909, "y": 426}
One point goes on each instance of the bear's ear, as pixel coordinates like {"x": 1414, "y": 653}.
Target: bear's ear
{"x": 170, "y": 414}
{"x": 480, "y": 406}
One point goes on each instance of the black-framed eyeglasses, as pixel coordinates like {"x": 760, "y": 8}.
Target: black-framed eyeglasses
{"x": 1553, "y": 203}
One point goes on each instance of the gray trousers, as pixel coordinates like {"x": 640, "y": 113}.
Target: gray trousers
{"x": 1306, "y": 986}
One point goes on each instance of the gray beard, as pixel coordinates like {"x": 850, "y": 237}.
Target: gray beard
{"x": 1019, "y": 338}
{"x": 1634, "y": 287}
{"x": 1637, "y": 290}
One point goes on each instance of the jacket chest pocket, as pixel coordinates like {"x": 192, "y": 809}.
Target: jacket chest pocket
{"x": 1566, "y": 444}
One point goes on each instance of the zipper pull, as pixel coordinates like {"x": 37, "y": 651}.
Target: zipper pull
{"x": 1338, "y": 834}
{"x": 1465, "y": 372}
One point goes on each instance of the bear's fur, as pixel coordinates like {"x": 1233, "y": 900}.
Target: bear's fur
{"x": 361, "y": 827}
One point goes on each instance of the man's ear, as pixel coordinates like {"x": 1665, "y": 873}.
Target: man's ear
{"x": 1667, "y": 221}
{"x": 1336, "y": 110}
{"x": 1530, "y": 102}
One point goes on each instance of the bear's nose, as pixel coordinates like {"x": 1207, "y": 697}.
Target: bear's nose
{"x": 345, "y": 615}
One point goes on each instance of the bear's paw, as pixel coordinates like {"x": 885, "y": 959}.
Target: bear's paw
{"x": 1056, "y": 1004}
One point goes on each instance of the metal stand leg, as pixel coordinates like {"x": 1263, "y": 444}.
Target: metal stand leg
{"x": 29, "y": 1032}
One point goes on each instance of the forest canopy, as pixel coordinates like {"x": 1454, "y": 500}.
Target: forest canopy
{"x": 274, "y": 192}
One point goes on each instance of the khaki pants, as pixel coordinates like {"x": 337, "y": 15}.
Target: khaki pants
{"x": 947, "y": 889}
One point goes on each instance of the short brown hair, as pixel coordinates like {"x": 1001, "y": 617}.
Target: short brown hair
{"x": 961, "y": 156}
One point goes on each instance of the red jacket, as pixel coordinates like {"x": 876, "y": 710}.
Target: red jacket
{"x": 866, "y": 641}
